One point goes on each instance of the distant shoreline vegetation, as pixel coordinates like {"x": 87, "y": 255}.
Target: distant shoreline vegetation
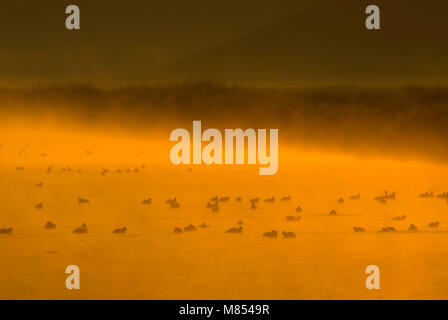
{"x": 406, "y": 120}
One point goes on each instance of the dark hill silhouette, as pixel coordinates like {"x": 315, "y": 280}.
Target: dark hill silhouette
{"x": 117, "y": 40}
{"x": 328, "y": 43}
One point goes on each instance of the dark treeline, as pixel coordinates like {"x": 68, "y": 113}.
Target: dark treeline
{"x": 396, "y": 120}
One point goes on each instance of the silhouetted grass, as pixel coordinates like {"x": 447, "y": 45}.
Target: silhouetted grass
{"x": 396, "y": 120}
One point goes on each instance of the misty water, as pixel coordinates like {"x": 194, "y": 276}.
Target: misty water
{"x": 325, "y": 260}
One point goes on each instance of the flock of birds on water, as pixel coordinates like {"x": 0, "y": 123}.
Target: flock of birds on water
{"x": 214, "y": 205}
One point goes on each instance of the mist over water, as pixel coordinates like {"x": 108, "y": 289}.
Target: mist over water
{"x": 318, "y": 164}
{"x": 404, "y": 122}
